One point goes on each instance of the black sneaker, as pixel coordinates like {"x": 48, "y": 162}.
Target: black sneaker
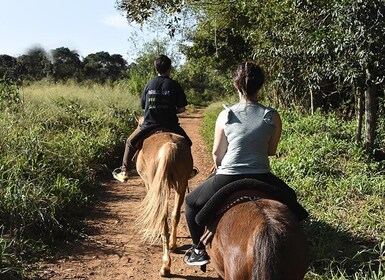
{"x": 198, "y": 259}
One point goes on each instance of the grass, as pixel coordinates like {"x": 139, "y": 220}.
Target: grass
{"x": 341, "y": 187}
{"x": 55, "y": 141}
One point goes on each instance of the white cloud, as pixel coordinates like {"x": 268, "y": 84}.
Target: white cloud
{"x": 116, "y": 21}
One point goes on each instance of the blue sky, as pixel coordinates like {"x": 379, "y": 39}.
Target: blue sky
{"x": 87, "y": 26}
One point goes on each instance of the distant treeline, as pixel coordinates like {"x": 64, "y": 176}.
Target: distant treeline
{"x": 61, "y": 64}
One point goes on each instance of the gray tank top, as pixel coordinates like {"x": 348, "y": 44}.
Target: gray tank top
{"x": 248, "y": 130}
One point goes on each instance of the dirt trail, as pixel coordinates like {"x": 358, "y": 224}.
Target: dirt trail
{"x": 113, "y": 249}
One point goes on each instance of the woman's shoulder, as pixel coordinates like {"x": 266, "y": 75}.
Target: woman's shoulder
{"x": 223, "y": 114}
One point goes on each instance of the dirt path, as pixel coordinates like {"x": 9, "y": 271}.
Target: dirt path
{"x": 113, "y": 249}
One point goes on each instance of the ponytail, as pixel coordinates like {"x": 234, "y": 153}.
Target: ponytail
{"x": 249, "y": 78}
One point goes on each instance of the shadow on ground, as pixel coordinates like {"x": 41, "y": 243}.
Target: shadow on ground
{"x": 336, "y": 250}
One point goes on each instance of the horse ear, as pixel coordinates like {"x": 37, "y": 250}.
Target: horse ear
{"x": 137, "y": 116}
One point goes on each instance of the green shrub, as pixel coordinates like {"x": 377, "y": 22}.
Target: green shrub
{"x": 9, "y": 93}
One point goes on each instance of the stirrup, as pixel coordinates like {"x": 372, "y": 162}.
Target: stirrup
{"x": 120, "y": 175}
{"x": 188, "y": 254}
{"x": 194, "y": 172}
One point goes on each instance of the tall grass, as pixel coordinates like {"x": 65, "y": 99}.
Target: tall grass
{"x": 53, "y": 145}
{"x": 341, "y": 187}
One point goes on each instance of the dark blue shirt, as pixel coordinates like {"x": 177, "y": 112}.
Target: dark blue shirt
{"x": 161, "y": 98}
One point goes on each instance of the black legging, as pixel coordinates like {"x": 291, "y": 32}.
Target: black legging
{"x": 197, "y": 198}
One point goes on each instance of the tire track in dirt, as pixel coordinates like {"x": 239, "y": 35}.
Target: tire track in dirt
{"x": 113, "y": 248}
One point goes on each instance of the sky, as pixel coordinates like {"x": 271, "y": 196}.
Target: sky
{"x": 85, "y": 26}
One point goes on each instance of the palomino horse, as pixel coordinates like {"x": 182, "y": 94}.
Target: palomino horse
{"x": 259, "y": 240}
{"x": 164, "y": 163}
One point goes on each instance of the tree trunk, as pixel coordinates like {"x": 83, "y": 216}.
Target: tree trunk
{"x": 359, "y": 113}
{"x": 370, "y": 116}
{"x": 311, "y": 102}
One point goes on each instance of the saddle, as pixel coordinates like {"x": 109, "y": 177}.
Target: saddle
{"x": 238, "y": 192}
{"x": 137, "y": 141}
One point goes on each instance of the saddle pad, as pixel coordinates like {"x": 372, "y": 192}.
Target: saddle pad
{"x": 239, "y": 197}
{"x": 208, "y": 212}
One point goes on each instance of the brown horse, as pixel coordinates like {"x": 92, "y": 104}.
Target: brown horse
{"x": 164, "y": 163}
{"x": 259, "y": 240}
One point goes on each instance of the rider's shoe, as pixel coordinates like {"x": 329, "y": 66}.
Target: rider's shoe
{"x": 198, "y": 257}
{"x": 120, "y": 175}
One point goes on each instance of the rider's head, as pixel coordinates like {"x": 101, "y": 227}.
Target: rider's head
{"x": 162, "y": 64}
{"x": 248, "y": 78}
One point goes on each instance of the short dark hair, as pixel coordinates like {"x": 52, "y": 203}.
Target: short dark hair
{"x": 249, "y": 78}
{"x": 162, "y": 64}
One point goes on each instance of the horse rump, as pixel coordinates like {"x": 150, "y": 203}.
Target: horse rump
{"x": 280, "y": 249}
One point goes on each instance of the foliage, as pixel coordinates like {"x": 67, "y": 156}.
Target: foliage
{"x": 101, "y": 67}
{"x": 318, "y": 54}
{"x": 8, "y": 67}
{"x": 202, "y": 84}
{"x": 65, "y": 64}
{"x": 52, "y": 150}
{"x": 34, "y": 65}
{"x": 9, "y": 93}
{"x": 142, "y": 10}
{"x": 62, "y": 64}
{"x": 338, "y": 184}
{"x": 139, "y": 11}
{"x": 219, "y": 39}
{"x": 327, "y": 48}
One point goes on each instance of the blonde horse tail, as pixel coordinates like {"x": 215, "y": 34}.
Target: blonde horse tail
{"x": 153, "y": 210}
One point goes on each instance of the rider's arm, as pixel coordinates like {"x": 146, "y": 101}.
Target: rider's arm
{"x": 273, "y": 143}
{"x": 220, "y": 139}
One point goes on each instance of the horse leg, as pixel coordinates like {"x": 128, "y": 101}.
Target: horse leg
{"x": 175, "y": 218}
{"x": 166, "y": 259}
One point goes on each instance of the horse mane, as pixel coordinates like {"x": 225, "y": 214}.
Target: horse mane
{"x": 269, "y": 244}
{"x": 153, "y": 209}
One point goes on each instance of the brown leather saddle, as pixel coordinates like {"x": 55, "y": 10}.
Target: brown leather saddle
{"x": 137, "y": 141}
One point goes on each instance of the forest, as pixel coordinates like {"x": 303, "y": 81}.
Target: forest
{"x": 63, "y": 116}
{"x": 62, "y": 64}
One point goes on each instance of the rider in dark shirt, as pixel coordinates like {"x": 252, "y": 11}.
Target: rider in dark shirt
{"x": 162, "y": 99}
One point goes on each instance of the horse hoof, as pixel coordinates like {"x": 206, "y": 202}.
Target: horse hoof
{"x": 165, "y": 272}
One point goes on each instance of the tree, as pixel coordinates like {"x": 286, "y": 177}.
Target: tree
{"x": 34, "y": 65}
{"x": 117, "y": 67}
{"x": 101, "y": 66}
{"x": 343, "y": 50}
{"x": 65, "y": 64}
{"x": 8, "y": 67}
{"x": 141, "y": 10}
{"x": 218, "y": 40}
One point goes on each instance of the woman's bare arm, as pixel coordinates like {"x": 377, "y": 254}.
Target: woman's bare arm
{"x": 220, "y": 139}
{"x": 274, "y": 140}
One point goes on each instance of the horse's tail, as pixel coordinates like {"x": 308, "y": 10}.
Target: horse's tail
{"x": 153, "y": 210}
{"x": 267, "y": 250}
